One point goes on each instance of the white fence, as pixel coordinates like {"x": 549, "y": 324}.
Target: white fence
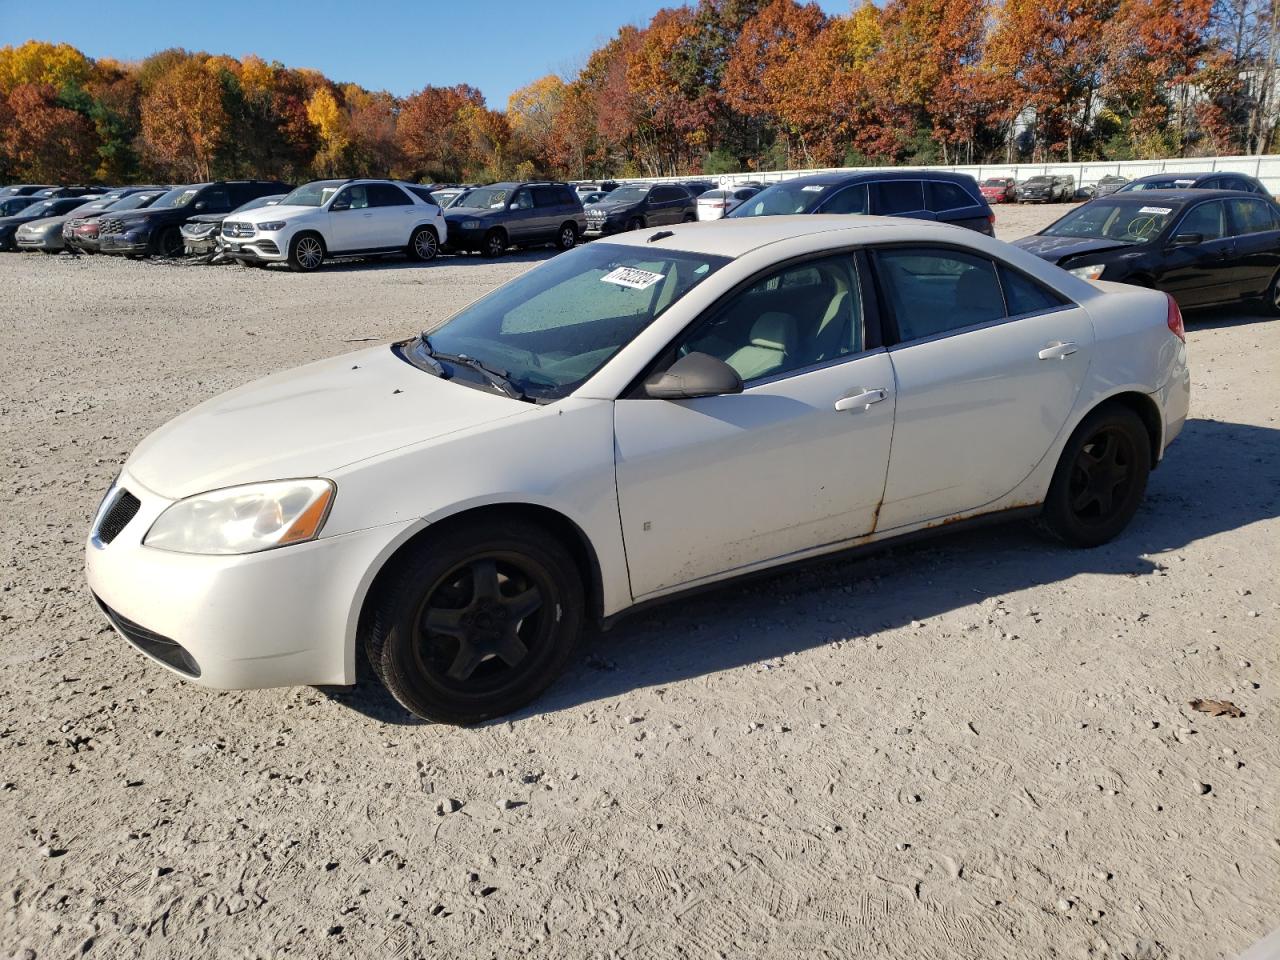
{"x": 1265, "y": 168}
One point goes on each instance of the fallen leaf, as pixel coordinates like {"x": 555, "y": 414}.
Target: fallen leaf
{"x": 1217, "y": 708}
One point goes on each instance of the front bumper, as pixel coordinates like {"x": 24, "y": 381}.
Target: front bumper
{"x": 43, "y": 241}
{"x": 200, "y": 245}
{"x": 460, "y": 239}
{"x": 281, "y": 617}
{"x": 124, "y": 243}
{"x": 603, "y": 228}
{"x": 256, "y": 249}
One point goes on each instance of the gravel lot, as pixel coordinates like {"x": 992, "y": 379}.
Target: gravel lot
{"x": 981, "y": 746}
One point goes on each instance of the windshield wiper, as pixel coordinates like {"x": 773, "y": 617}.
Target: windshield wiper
{"x": 496, "y": 378}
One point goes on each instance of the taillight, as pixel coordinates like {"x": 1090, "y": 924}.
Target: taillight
{"x": 991, "y": 218}
{"x": 1175, "y": 320}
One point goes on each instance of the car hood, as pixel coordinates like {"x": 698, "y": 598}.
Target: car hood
{"x": 308, "y": 422}
{"x": 45, "y": 223}
{"x": 612, "y": 206}
{"x": 469, "y": 213}
{"x": 208, "y": 218}
{"x": 1056, "y": 249}
{"x": 267, "y": 214}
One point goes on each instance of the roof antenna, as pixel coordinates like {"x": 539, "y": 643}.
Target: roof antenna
{"x": 661, "y": 235}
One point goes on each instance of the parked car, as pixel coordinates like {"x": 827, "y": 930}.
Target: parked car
{"x": 49, "y": 193}
{"x": 1109, "y": 185}
{"x": 22, "y": 189}
{"x": 639, "y": 205}
{"x": 605, "y": 186}
{"x": 157, "y": 229}
{"x": 1047, "y": 189}
{"x": 589, "y": 198}
{"x": 202, "y": 234}
{"x": 924, "y": 195}
{"x": 492, "y": 218}
{"x": 459, "y": 503}
{"x": 338, "y": 218}
{"x": 52, "y": 207}
{"x": 49, "y": 235}
{"x": 999, "y": 189}
{"x": 80, "y": 231}
{"x": 445, "y": 196}
{"x": 1202, "y": 247}
{"x": 714, "y": 204}
{"x": 697, "y": 188}
{"x": 1197, "y": 181}
{"x": 13, "y": 204}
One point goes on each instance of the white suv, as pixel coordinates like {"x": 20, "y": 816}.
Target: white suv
{"x": 338, "y": 218}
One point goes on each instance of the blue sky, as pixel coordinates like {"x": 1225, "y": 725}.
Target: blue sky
{"x": 496, "y": 45}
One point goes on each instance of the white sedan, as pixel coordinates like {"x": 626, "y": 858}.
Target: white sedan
{"x": 637, "y": 418}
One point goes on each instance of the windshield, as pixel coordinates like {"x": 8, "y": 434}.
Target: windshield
{"x": 550, "y": 329}
{"x": 783, "y": 198}
{"x": 42, "y": 208}
{"x": 13, "y": 205}
{"x": 484, "y": 198}
{"x": 628, "y": 194}
{"x": 995, "y": 182}
{"x": 1123, "y": 221}
{"x": 135, "y": 201}
{"x": 1039, "y": 181}
{"x": 177, "y": 197}
{"x": 1164, "y": 183}
{"x": 268, "y": 201}
{"x": 314, "y": 194}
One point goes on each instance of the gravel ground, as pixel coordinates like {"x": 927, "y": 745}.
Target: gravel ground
{"x": 980, "y": 746}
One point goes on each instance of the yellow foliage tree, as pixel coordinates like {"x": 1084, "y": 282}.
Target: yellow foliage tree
{"x": 42, "y": 64}
{"x": 330, "y": 121}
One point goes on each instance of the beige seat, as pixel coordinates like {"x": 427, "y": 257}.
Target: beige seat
{"x": 773, "y": 341}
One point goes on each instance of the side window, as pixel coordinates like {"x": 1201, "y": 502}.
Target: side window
{"x": 522, "y": 201}
{"x": 423, "y": 194}
{"x": 216, "y": 199}
{"x": 566, "y": 197}
{"x": 545, "y": 197}
{"x": 932, "y": 291}
{"x": 1206, "y": 219}
{"x": 748, "y": 194}
{"x": 1251, "y": 216}
{"x": 948, "y": 196}
{"x": 385, "y": 195}
{"x": 1215, "y": 183}
{"x": 662, "y": 194}
{"x": 849, "y": 200}
{"x": 354, "y": 197}
{"x": 1024, "y": 295}
{"x": 793, "y": 318}
{"x": 898, "y": 196}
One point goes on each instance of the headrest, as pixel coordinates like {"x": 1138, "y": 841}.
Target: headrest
{"x": 774, "y": 331}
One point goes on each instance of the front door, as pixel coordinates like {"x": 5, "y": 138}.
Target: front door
{"x": 988, "y": 366}
{"x": 1203, "y": 271}
{"x": 350, "y": 220}
{"x": 522, "y": 218}
{"x": 717, "y": 485}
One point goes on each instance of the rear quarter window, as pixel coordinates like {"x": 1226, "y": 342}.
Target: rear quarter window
{"x": 944, "y": 195}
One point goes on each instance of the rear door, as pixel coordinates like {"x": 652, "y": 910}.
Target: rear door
{"x": 900, "y": 198}
{"x": 393, "y": 215}
{"x": 1257, "y": 241}
{"x": 550, "y": 212}
{"x": 988, "y": 364}
{"x": 1206, "y": 272}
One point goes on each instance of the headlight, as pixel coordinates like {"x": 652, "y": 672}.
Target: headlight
{"x": 470, "y": 224}
{"x": 272, "y": 227}
{"x": 245, "y": 519}
{"x": 1091, "y": 272}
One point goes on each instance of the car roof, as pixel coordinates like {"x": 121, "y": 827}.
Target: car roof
{"x": 735, "y": 236}
{"x": 1173, "y": 175}
{"x": 840, "y": 179}
{"x": 1178, "y": 195}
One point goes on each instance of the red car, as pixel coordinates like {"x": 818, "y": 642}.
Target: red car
{"x": 999, "y": 190}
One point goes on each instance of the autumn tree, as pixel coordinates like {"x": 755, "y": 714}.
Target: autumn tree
{"x": 433, "y": 142}
{"x": 183, "y": 120}
{"x": 46, "y": 142}
{"x": 533, "y": 112}
{"x": 330, "y": 121}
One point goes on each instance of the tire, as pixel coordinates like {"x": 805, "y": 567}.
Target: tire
{"x": 257, "y": 264}
{"x": 424, "y": 245}
{"x": 1271, "y": 299}
{"x": 1100, "y": 479}
{"x": 306, "y": 253}
{"x": 635, "y": 223}
{"x": 479, "y": 661}
{"x": 495, "y": 243}
{"x": 48, "y": 253}
{"x": 168, "y": 243}
{"x": 567, "y": 238}
{"x": 689, "y": 218}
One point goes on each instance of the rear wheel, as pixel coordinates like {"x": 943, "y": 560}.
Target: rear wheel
{"x": 495, "y": 243}
{"x": 1271, "y": 299}
{"x": 477, "y": 622}
{"x": 306, "y": 253}
{"x": 567, "y": 239}
{"x": 1100, "y": 478}
{"x": 424, "y": 245}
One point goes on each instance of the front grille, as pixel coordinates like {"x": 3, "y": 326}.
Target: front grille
{"x": 110, "y": 225}
{"x": 237, "y": 229}
{"x": 117, "y": 516}
{"x": 169, "y": 652}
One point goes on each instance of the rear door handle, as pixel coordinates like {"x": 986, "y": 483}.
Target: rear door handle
{"x": 857, "y": 402}
{"x": 1058, "y": 350}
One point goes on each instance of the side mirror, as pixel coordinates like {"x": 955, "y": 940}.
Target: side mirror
{"x": 200, "y": 205}
{"x": 693, "y": 375}
{"x": 1187, "y": 239}
{"x": 342, "y": 203}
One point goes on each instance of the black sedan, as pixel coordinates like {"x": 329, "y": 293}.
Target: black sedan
{"x": 1205, "y": 247}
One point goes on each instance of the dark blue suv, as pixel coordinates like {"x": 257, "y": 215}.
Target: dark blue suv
{"x": 925, "y": 195}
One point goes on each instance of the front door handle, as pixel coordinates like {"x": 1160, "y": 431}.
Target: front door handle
{"x": 861, "y": 400}
{"x": 1058, "y": 350}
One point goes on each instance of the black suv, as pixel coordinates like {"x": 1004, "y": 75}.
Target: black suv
{"x": 1197, "y": 181}
{"x": 634, "y": 206}
{"x": 54, "y": 193}
{"x": 22, "y": 189}
{"x": 515, "y": 214}
{"x": 156, "y": 230}
{"x": 923, "y": 194}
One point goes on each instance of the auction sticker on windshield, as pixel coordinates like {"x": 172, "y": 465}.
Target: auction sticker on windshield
{"x": 632, "y": 277}
{"x": 1162, "y": 211}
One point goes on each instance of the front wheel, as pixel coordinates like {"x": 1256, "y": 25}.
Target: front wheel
{"x": 169, "y": 243}
{"x": 1100, "y": 478}
{"x": 635, "y": 223}
{"x": 306, "y": 253}
{"x": 424, "y": 245}
{"x": 477, "y": 622}
{"x": 495, "y": 244}
{"x": 567, "y": 239}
